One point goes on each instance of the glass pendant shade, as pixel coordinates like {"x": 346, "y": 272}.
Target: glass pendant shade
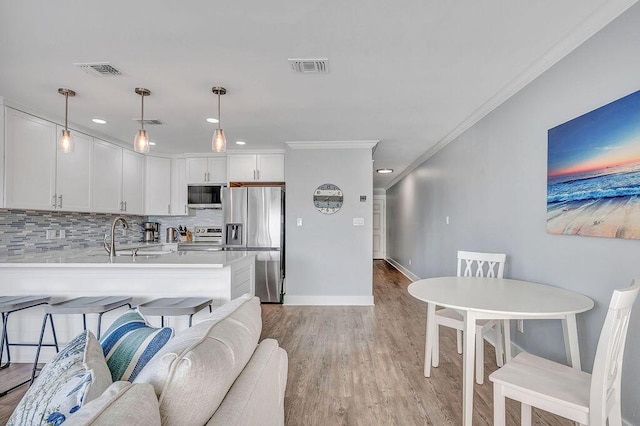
{"x": 65, "y": 143}
{"x": 219, "y": 142}
{"x": 141, "y": 142}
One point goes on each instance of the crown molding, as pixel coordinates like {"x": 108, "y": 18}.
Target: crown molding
{"x": 581, "y": 33}
{"x": 332, "y": 144}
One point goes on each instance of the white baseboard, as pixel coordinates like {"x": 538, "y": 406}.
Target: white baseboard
{"x": 407, "y": 273}
{"x": 328, "y": 300}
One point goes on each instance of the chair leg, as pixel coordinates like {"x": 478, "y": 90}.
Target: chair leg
{"x": 506, "y": 333}
{"x": 479, "y": 357}
{"x": 435, "y": 355}
{"x": 35, "y": 362}
{"x": 499, "y": 344}
{"x": 459, "y": 341}
{"x": 525, "y": 413}
{"x": 499, "y": 416}
{"x": 4, "y": 341}
{"x": 210, "y": 309}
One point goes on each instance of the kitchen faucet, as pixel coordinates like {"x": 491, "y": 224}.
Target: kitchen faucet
{"x": 111, "y": 249}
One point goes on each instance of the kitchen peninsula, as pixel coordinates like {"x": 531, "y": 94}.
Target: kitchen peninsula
{"x": 221, "y": 276}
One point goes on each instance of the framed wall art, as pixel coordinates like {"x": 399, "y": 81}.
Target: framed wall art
{"x": 593, "y": 172}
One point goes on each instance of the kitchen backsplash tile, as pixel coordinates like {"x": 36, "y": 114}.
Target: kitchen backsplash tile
{"x": 25, "y": 231}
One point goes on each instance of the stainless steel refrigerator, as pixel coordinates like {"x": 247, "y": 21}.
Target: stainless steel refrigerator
{"x": 254, "y": 220}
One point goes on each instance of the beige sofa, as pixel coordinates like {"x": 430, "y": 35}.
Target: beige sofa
{"x": 214, "y": 373}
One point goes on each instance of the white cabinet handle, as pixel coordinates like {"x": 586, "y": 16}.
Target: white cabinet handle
{"x": 53, "y": 201}
{"x": 185, "y": 209}
{"x": 125, "y": 206}
{"x": 254, "y": 174}
{"x": 258, "y": 174}
{"x": 60, "y": 201}
{"x": 168, "y": 208}
{"x": 121, "y": 205}
{"x": 205, "y": 176}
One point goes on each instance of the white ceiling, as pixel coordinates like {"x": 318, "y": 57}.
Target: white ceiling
{"x": 412, "y": 74}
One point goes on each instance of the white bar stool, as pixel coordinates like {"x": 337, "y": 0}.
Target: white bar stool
{"x": 9, "y": 305}
{"x": 80, "y": 305}
{"x": 175, "y": 306}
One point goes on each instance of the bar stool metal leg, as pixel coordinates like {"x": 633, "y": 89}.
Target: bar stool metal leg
{"x": 40, "y": 344}
{"x": 4, "y": 341}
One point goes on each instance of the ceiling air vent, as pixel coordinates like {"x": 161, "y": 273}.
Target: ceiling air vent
{"x": 310, "y": 66}
{"x": 151, "y": 122}
{"x": 100, "y": 69}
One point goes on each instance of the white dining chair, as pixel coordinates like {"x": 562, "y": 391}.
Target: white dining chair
{"x": 480, "y": 265}
{"x": 589, "y": 399}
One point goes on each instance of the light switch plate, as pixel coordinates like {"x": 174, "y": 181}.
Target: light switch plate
{"x": 299, "y": 221}
{"x": 51, "y": 234}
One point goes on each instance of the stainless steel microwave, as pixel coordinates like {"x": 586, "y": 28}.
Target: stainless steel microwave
{"x": 202, "y": 196}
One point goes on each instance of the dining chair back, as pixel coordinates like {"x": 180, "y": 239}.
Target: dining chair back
{"x": 476, "y": 264}
{"x": 589, "y": 399}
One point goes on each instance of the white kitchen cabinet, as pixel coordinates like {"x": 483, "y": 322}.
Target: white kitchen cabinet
{"x": 118, "y": 179}
{"x": 206, "y": 170}
{"x": 30, "y": 159}
{"x": 255, "y": 167}
{"x": 179, "y": 187}
{"x": 157, "y": 194}
{"x": 39, "y": 177}
{"x": 132, "y": 182}
{"x": 73, "y": 174}
{"x": 107, "y": 177}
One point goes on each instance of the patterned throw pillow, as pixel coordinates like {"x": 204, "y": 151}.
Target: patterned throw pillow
{"x": 77, "y": 375}
{"x": 130, "y": 343}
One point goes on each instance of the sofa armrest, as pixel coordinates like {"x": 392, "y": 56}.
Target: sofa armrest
{"x": 257, "y": 395}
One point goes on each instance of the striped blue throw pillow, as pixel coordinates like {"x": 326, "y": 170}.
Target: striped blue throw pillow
{"x": 130, "y": 343}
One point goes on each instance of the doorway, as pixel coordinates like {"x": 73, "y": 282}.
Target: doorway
{"x": 379, "y": 227}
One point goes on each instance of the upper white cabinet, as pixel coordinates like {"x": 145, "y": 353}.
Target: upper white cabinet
{"x": 157, "y": 195}
{"x": 107, "y": 177}
{"x": 132, "y": 182}
{"x": 73, "y": 177}
{"x": 255, "y": 167}
{"x": 179, "y": 187}
{"x": 207, "y": 170}
{"x": 118, "y": 179}
{"x": 37, "y": 176}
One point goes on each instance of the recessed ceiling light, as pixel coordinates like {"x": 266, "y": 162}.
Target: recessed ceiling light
{"x": 212, "y": 120}
{"x": 99, "y": 121}
{"x": 241, "y": 143}
{"x": 152, "y": 143}
{"x": 384, "y": 171}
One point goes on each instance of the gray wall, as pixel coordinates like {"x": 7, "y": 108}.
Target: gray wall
{"x": 491, "y": 181}
{"x": 328, "y": 260}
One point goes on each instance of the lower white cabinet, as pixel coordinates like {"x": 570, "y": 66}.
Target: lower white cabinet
{"x": 157, "y": 194}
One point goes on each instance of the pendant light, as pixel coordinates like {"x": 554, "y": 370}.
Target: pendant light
{"x": 141, "y": 142}
{"x": 219, "y": 142}
{"x": 65, "y": 143}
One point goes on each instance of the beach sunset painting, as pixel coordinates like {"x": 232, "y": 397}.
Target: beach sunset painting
{"x": 593, "y": 172}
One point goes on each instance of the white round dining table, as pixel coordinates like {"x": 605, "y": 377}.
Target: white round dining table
{"x": 479, "y": 298}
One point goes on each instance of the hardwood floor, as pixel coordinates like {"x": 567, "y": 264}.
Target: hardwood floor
{"x": 352, "y": 365}
{"x": 363, "y": 365}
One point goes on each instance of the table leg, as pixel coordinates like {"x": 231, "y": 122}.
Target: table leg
{"x": 430, "y": 336}
{"x": 570, "y": 333}
{"x": 468, "y": 354}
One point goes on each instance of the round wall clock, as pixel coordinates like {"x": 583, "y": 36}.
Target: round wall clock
{"x": 328, "y": 198}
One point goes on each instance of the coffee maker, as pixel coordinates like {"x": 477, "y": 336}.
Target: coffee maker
{"x": 151, "y": 232}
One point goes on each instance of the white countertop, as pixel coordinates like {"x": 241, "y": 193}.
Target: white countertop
{"x": 94, "y": 257}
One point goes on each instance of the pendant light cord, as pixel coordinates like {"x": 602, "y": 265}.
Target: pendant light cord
{"x": 66, "y": 110}
{"x": 142, "y": 113}
{"x": 219, "y": 110}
